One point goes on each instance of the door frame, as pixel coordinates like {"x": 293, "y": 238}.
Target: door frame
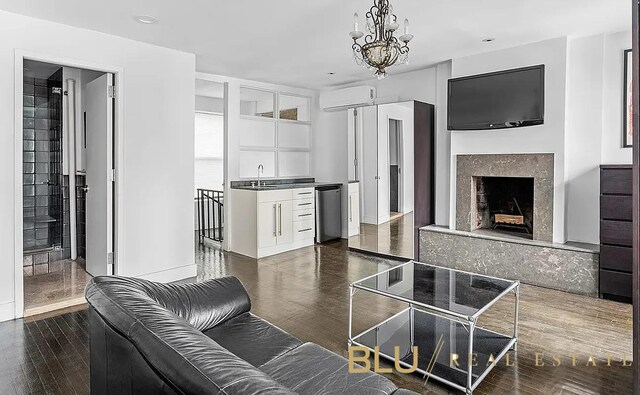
{"x": 118, "y": 160}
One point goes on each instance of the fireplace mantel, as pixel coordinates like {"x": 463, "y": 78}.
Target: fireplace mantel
{"x": 536, "y": 166}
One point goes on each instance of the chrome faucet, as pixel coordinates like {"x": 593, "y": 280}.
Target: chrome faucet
{"x": 260, "y": 170}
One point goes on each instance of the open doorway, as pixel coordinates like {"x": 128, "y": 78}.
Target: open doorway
{"x": 395, "y": 169}
{"x": 68, "y": 182}
{"x": 209, "y": 162}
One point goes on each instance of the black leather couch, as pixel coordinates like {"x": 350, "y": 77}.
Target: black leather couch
{"x": 152, "y": 338}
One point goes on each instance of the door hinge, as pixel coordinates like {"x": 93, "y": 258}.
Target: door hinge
{"x": 110, "y": 258}
{"x": 111, "y": 91}
{"x": 111, "y": 175}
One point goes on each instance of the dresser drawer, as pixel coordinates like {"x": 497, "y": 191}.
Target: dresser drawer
{"x": 301, "y": 204}
{"x": 303, "y": 193}
{"x": 305, "y": 229}
{"x": 616, "y": 232}
{"x": 616, "y": 258}
{"x": 616, "y": 181}
{"x": 615, "y": 283}
{"x": 615, "y": 207}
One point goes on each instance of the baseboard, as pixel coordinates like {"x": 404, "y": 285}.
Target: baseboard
{"x": 7, "y": 311}
{"x": 175, "y": 274}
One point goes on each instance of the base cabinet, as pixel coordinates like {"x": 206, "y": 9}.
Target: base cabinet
{"x": 265, "y": 223}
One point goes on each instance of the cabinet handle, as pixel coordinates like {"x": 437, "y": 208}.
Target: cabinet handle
{"x": 305, "y": 230}
{"x": 304, "y": 193}
{"x": 304, "y": 215}
{"x": 280, "y": 221}
{"x": 305, "y": 204}
{"x": 275, "y": 220}
{"x": 350, "y": 210}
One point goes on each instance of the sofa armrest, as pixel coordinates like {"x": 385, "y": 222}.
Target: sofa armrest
{"x": 207, "y": 304}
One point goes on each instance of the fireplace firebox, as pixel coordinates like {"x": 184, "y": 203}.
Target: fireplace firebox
{"x": 505, "y": 205}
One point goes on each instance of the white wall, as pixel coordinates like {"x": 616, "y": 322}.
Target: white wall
{"x": 158, "y": 105}
{"x": 583, "y": 137}
{"x": 613, "y": 81}
{"x": 546, "y": 138}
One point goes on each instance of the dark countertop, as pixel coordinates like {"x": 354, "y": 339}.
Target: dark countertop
{"x": 293, "y": 185}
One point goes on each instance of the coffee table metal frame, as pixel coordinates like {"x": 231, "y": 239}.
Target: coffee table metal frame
{"x": 468, "y": 321}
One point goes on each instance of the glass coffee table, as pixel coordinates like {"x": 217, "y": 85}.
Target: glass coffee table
{"x": 441, "y": 320}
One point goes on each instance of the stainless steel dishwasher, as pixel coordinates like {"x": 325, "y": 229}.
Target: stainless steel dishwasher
{"x": 328, "y": 213}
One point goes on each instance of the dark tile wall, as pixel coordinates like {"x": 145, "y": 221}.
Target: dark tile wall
{"x": 46, "y": 188}
{"x": 81, "y": 216}
{"x": 42, "y": 168}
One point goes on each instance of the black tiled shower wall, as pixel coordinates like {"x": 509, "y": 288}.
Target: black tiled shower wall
{"x": 42, "y": 163}
{"x": 46, "y": 188}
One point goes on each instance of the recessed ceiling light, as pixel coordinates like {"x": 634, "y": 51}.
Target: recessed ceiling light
{"x": 488, "y": 40}
{"x": 331, "y": 73}
{"x": 147, "y": 19}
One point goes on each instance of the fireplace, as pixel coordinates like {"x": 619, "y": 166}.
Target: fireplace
{"x": 504, "y": 204}
{"x": 511, "y": 193}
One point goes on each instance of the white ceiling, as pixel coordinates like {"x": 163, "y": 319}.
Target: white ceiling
{"x": 297, "y": 43}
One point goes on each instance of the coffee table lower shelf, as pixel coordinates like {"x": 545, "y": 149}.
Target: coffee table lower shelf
{"x": 443, "y": 346}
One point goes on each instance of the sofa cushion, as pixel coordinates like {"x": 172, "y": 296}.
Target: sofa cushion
{"x": 253, "y": 339}
{"x": 311, "y": 369}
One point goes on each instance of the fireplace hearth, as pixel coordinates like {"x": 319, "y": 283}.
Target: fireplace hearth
{"x": 505, "y": 205}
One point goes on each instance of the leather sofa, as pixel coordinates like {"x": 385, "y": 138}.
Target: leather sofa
{"x": 152, "y": 338}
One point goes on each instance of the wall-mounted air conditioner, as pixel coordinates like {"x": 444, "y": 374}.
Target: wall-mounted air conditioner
{"x": 341, "y": 99}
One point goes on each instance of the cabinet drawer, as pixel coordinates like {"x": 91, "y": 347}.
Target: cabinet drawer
{"x": 616, "y": 181}
{"x": 615, "y": 207}
{"x": 304, "y": 229}
{"x": 307, "y": 213}
{"x": 615, "y": 232}
{"x": 302, "y": 193}
{"x": 616, "y": 258}
{"x": 272, "y": 196}
{"x": 301, "y": 204}
{"x": 615, "y": 283}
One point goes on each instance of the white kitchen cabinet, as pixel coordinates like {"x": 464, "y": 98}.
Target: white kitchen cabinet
{"x": 353, "y": 209}
{"x": 264, "y": 223}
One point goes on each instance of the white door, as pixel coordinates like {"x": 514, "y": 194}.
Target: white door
{"x": 99, "y": 163}
{"x": 267, "y": 224}
{"x": 285, "y": 222}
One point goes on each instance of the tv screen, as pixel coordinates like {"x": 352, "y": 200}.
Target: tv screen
{"x": 504, "y": 99}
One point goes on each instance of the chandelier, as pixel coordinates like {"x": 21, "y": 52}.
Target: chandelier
{"x": 381, "y": 49}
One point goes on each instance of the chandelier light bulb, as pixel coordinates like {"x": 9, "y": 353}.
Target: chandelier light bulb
{"x": 406, "y": 25}
{"x": 355, "y": 22}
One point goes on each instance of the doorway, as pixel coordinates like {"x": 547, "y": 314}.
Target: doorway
{"x": 68, "y": 183}
{"x": 209, "y": 162}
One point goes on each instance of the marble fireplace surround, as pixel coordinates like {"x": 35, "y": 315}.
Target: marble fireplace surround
{"x": 537, "y": 166}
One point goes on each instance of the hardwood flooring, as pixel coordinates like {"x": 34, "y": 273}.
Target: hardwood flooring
{"x": 305, "y": 292}
{"x": 394, "y": 237}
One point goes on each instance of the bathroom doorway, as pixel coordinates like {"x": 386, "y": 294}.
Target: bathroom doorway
{"x": 68, "y": 183}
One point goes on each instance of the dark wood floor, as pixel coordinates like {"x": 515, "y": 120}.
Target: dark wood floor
{"x": 306, "y": 293}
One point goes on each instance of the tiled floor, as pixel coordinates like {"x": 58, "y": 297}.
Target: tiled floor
{"x": 305, "y": 292}
{"x": 63, "y": 286}
{"x": 394, "y": 237}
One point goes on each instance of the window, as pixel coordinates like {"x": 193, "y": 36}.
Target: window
{"x": 209, "y": 151}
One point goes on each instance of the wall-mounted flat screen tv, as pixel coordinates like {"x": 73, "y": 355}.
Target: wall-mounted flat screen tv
{"x": 504, "y": 99}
